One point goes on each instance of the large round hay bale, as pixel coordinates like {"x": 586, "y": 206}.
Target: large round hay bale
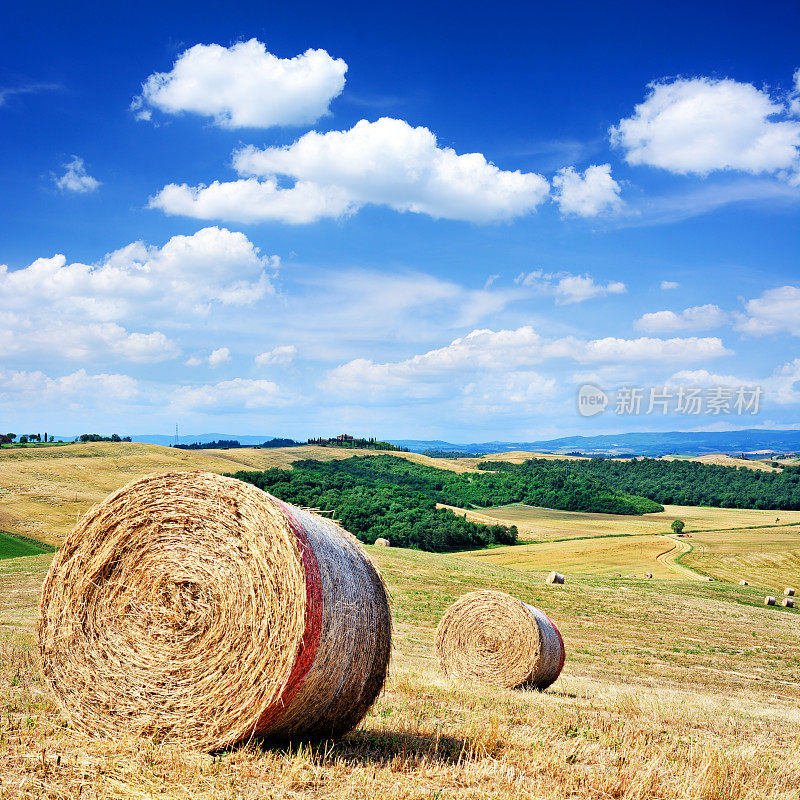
{"x": 769, "y": 600}
{"x": 555, "y": 577}
{"x": 788, "y": 602}
{"x": 788, "y": 592}
{"x": 381, "y": 542}
{"x": 194, "y": 608}
{"x": 494, "y": 638}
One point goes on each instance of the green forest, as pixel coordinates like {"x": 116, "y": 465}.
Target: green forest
{"x": 686, "y": 483}
{"x": 396, "y": 499}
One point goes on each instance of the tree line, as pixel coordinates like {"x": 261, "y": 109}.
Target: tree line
{"x": 678, "y": 482}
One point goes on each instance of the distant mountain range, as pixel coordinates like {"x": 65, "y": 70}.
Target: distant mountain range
{"x": 644, "y": 444}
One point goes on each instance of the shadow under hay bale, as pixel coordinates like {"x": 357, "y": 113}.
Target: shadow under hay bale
{"x": 195, "y": 608}
{"x": 497, "y": 639}
{"x": 555, "y": 577}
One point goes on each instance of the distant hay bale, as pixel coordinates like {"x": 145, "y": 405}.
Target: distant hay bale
{"x": 194, "y": 608}
{"x": 769, "y": 600}
{"x": 648, "y": 574}
{"x": 494, "y": 638}
{"x": 555, "y": 577}
{"x": 380, "y": 542}
{"x": 788, "y": 602}
{"x": 743, "y": 583}
{"x": 788, "y": 592}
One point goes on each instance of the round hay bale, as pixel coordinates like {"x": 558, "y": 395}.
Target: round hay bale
{"x": 555, "y": 577}
{"x": 743, "y": 583}
{"x": 788, "y": 602}
{"x": 381, "y": 542}
{"x": 494, "y": 638}
{"x": 648, "y": 574}
{"x": 194, "y": 608}
{"x": 769, "y": 600}
{"x": 788, "y": 592}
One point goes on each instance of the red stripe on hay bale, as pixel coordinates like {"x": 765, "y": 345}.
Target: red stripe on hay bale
{"x": 313, "y": 627}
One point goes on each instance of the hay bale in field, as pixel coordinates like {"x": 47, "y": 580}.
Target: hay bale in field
{"x": 381, "y": 542}
{"x": 494, "y": 638}
{"x": 648, "y": 574}
{"x": 555, "y": 577}
{"x": 194, "y": 608}
{"x": 769, "y": 600}
{"x": 788, "y": 592}
{"x": 788, "y": 602}
{"x": 743, "y": 583}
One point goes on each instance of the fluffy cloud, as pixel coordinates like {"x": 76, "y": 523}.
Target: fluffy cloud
{"x": 586, "y": 195}
{"x": 219, "y": 357}
{"x": 387, "y": 162}
{"x": 568, "y": 288}
{"x": 253, "y": 200}
{"x": 75, "y": 309}
{"x": 76, "y": 387}
{"x": 75, "y": 178}
{"x": 775, "y": 311}
{"x": 244, "y": 86}
{"x": 283, "y": 354}
{"x": 239, "y": 393}
{"x": 430, "y": 373}
{"x": 699, "y": 125}
{"x": 694, "y": 318}
{"x": 667, "y": 285}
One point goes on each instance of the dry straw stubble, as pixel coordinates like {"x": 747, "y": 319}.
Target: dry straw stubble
{"x": 196, "y": 608}
{"x": 497, "y": 639}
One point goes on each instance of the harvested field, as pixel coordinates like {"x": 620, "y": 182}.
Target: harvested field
{"x": 680, "y": 689}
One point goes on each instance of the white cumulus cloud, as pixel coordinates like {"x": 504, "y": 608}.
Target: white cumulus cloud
{"x": 244, "y": 86}
{"x": 282, "y": 354}
{"x": 239, "y": 393}
{"x": 387, "y": 162}
{"x": 75, "y": 178}
{"x": 586, "y": 195}
{"x": 775, "y": 311}
{"x": 694, "y": 318}
{"x": 218, "y": 357}
{"x": 77, "y": 310}
{"x": 698, "y": 125}
{"x": 431, "y": 374}
{"x": 568, "y": 288}
{"x": 667, "y": 285}
{"x": 76, "y": 387}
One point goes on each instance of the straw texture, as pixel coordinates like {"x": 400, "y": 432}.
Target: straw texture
{"x": 196, "y": 608}
{"x": 495, "y": 638}
{"x": 381, "y": 542}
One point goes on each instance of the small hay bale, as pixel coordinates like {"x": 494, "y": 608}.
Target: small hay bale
{"x": 648, "y": 574}
{"x": 743, "y": 583}
{"x": 788, "y": 592}
{"x": 555, "y": 577}
{"x": 769, "y": 600}
{"x": 381, "y": 542}
{"x": 197, "y": 609}
{"x": 494, "y": 638}
{"x": 788, "y": 602}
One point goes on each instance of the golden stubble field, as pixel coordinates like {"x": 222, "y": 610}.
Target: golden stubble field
{"x": 670, "y": 690}
{"x": 44, "y": 491}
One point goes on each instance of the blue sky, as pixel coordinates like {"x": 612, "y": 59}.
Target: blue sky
{"x": 427, "y": 221}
